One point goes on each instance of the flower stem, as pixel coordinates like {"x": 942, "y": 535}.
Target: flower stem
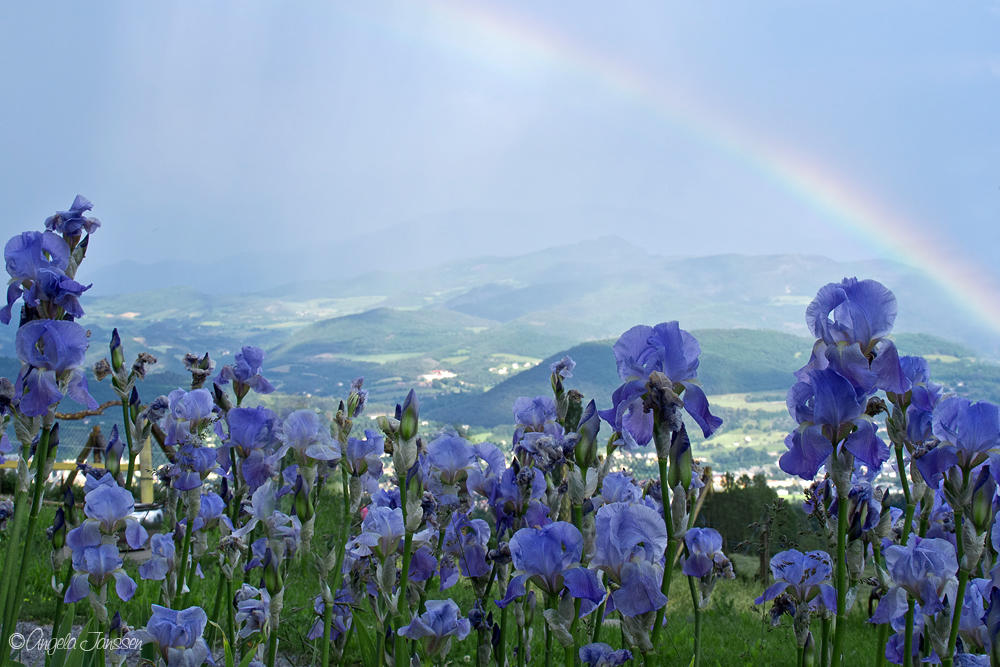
{"x": 841, "y": 627}
{"x": 963, "y": 581}
{"x": 182, "y": 572}
{"x": 908, "y": 636}
{"x": 548, "y": 633}
{"x": 126, "y": 424}
{"x": 799, "y": 652}
{"x": 668, "y": 565}
{"x": 883, "y": 629}
{"x": 230, "y": 624}
{"x": 402, "y": 609}
{"x": 572, "y": 650}
{"x": 696, "y": 662}
{"x": 598, "y": 621}
{"x": 824, "y": 642}
{"x": 60, "y": 608}
{"x": 502, "y": 651}
{"x": 14, "y": 604}
{"x": 272, "y": 647}
{"x": 220, "y": 588}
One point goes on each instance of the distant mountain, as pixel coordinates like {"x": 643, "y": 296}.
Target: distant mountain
{"x": 732, "y": 361}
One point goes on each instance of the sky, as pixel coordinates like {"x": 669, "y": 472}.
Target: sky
{"x": 207, "y": 131}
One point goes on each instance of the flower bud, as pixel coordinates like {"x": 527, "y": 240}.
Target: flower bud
{"x": 58, "y": 529}
{"x": 680, "y": 459}
{"x": 117, "y": 354}
{"x": 272, "y": 572}
{"x": 574, "y": 409}
{"x": 589, "y": 427}
{"x": 303, "y": 502}
{"x": 983, "y": 492}
{"x": 409, "y": 417}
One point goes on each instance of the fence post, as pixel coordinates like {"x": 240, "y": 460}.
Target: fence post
{"x": 146, "y": 470}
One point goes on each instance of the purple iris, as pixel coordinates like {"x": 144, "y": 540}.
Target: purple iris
{"x": 864, "y": 511}
{"x": 189, "y": 412}
{"x": 488, "y": 464}
{"x": 363, "y": 458}
{"x": 704, "y": 547}
{"x": 73, "y": 222}
{"x": 342, "y": 616}
{"x": 968, "y": 432}
{"x": 518, "y": 492}
{"x": 309, "y": 438}
{"x": 547, "y": 450}
{"x": 36, "y": 262}
{"x": 549, "y": 557}
{"x": 563, "y": 368}
{"x": 193, "y": 466}
{"x": 641, "y": 351}
{"x": 533, "y": 415}
{"x": 803, "y": 576}
{"x": 854, "y": 341}
{"x": 386, "y": 527}
{"x": 162, "y": 561}
{"x": 178, "y": 635}
{"x": 109, "y": 508}
{"x": 53, "y": 352}
{"x": 245, "y": 373}
{"x": 631, "y": 540}
{"x": 254, "y": 605}
{"x": 437, "y": 625}
{"x": 602, "y": 655}
{"x": 96, "y": 565}
{"x": 451, "y": 456}
{"x": 466, "y": 541}
{"x": 250, "y": 429}
{"x": 827, "y": 408}
{"x": 618, "y": 487}
{"x": 925, "y": 569}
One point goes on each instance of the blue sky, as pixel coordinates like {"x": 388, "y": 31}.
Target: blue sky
{"x": 206, "y": 130}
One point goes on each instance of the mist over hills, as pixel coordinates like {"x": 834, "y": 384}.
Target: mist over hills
{"x": 468, "y": 330}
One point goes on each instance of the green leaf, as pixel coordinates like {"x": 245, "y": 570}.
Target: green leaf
{"x": 77, "y": 655}
{"x": 225, "y": 644}
{"x": 59, "y": 657}
{"x": 365, "y": 640}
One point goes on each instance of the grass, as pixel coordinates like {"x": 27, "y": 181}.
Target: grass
{"x": 735, "y": 632}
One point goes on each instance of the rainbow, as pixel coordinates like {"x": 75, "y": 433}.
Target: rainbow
{"x": 507, "y": 41}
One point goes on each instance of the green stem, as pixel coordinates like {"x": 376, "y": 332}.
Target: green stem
{"x": 883, "y": 629}
{"x": 963, "y": 581}
{"x": 13, "y": 545}
{"x": 824, "y": 656}
{"x": 230, "y": 622}
{"x": 327, "y": 624}
{"x": 548, "y": 633}
{"x": 908, "y": 635}
{"x": 571, "y": 651}
{"x": 841, "y": 627}
{"x": 598, "y": 621}
{"x": 60, "y": 608}
{"x": 668, "y": 565}
{"x": 521, "y": 632}
{"x": 502, "y": 650}
{"x": 799, "y": 653}
{"x": 126, "y": 421}
{"x": 272, "y": 647}
{"x": 182, "y": 572}
{"x": 100, "y": 648}
{"x": 402, "y": 608}
{"x": 696, "y": 662}
{"x": 14, "y": 605}
{"x": 217, "y": 607}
